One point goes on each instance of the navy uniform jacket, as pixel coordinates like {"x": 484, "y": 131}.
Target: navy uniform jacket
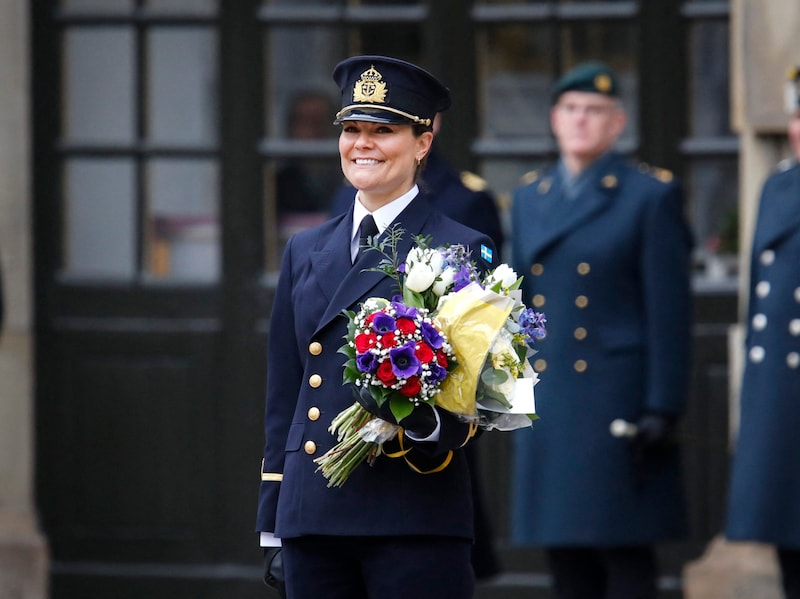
{"x": 610, "y": 270}
{"x": 764, "y": 500}
{"x": 305, "y": 392}
{"x": 448, "y": 193}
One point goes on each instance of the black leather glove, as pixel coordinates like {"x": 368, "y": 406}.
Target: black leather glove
{"x": 273, "y": 570}
{"x": 654, "y": 436}
{"x": 421, "y": 422}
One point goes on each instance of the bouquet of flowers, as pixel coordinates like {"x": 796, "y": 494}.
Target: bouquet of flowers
{"x": 448, "y": 339}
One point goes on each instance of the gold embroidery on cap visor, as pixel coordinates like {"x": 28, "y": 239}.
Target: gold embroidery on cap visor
{"x": 414, "y": 119}
{"x": 602, "y": 83}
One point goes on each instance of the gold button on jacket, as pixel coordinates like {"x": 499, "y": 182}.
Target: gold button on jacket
{"x": 310, "y": 447}
{"x": 315, "y": 380}
{"x": 315, "y": 348}
{"x": 313, "y": 413}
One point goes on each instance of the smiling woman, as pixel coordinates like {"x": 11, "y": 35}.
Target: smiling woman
{"x": 350, "y": 536}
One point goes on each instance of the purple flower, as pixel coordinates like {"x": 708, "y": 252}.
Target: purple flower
{"x": 431, "y": 335}
{"x": 437, "y": 373}
{"x": 404, "y": 361}
{"x": 404, "y": 311}
{"x": 383, "y": 323}
{"x": 464, "y": 277}
{"x": 367, "y": 362}
{"x": 532, "y": 325}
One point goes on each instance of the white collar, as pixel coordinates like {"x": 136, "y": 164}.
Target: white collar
{"x": 384, "y": 216}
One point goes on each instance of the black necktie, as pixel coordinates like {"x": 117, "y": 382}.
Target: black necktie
{"x": 366, "y": 230}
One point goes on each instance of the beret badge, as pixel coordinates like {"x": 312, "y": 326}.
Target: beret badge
{"x": 370, "y": 88}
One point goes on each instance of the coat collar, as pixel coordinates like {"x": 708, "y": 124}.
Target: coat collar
{"x": 552, "y": 216}
{"x": 780, "y": 210}
{"x": 332, "y": 261}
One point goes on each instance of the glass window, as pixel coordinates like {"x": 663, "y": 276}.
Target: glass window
{"x": 709, "y": 79}
{"x": 98, "y": 6}
{"x": 183, "y": 7}
{"x": 99, "y": 90}
{"x": 100, "y": 223}
{"x": 182, "y": 84}
{"x": 182, "y": 238}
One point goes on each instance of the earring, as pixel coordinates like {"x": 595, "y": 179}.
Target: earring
{"x": 419, "y": 161}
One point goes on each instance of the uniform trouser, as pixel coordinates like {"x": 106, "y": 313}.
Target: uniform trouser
{"x": 604, "y": 573}
{"x": 789, "y": 560}
{"x": 422, "y": 567}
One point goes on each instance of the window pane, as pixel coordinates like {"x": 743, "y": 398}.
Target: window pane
{"x": 713, "y": 194}
{"x": 183, "y": 231}
{"x": 190, "y": 7}
{"x": 709, "y": 79}
{"x": 98, "y": 80}
{"x": 100, "y": 218}
{"x": 98, "y": 6}
{"x": 182, "y": 82}
{"x": 515, "y": 82}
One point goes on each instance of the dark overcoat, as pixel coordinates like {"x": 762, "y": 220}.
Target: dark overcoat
{"x": 305, "y": 392}
{"x": 764, "y": 498}
{"x": 610, "y": 270}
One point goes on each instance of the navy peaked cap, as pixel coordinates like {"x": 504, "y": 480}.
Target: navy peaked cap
{"x": 380, "y": 89}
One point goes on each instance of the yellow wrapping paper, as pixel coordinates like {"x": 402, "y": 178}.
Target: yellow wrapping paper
{"x": 471, "y": 319}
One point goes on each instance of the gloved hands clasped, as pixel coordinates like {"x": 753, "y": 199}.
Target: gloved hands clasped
{"x": 273, "y": 570}
{"x": 421, "y": 422}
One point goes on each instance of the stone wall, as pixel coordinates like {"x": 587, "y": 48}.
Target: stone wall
{"x": 23, "y": 551}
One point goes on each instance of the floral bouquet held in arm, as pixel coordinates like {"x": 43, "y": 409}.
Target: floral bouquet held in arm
{"x": 448, "y": 339}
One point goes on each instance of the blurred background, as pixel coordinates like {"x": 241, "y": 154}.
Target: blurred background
{"x": 159, "y": 154}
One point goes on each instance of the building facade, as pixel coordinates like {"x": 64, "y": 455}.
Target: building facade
{"x": 158, "y": 153}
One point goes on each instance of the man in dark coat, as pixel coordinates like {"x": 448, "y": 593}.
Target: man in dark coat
{"x": 605, "y": 250}
{"x": 764, "y": 497}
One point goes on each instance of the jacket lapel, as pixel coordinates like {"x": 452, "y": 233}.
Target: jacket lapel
{"x": 781, "y": 211}
{"x": 357, "y": 280}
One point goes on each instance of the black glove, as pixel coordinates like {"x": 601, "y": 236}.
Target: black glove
{"x": 421, "y": 422}
{"x": 654, "y": 436}
{"x": 273, "y": 570}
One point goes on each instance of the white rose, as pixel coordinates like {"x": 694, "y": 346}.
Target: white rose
{"x": 503, "y": 274}
{"x": 444, "y": 281}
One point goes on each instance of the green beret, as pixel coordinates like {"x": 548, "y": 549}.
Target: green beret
{"x": 594, "y": 77}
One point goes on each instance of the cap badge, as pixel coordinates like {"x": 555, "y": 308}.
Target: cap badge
{"x": 370, "y": 88}
{"x": 602, "y": 83}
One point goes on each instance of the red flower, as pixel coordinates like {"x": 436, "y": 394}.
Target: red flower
{"x": 370, "y": 317}
{"x": 388, "y": 340}
{"x": 412, "y": 387}
{"x": 424, "y": 353}
{"x": 385, "y": 373}
{"x": 441, "y": 358}
{"x": 406, "y": 326}
{"x": 365, "y": 341}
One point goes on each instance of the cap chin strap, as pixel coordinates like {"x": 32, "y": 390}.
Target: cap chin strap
{"x": 410, "y": 117}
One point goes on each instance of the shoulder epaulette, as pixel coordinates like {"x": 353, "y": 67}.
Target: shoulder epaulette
{"x": 529, "y": 177}
{"x": 785, "y": 164}
{"x": 662, "y": 174}
{"x": 473, "y": 182}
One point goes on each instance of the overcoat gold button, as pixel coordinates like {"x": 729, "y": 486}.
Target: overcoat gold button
{"x": 580, "y": 365}
{"x": 797, "y": 295}
{"x": 793, "y": 359}
{"x": 537, "y": 269}
{"x": 762, "y": 289}
{"x": 315, "y": 380}
{"x": 580, "y": 333}
{"x": 540, "y": 365}
{"x": 313, "y": 413}
{"x": 581, "y": 301}
{"x": 315, "y": 348}
{"x": 538, "y": 300}
{"x": 310, "y": 447}
{"x": 759, "y": 322}
{"x": 767, "y": 257}
{"x": 584, "y": 268}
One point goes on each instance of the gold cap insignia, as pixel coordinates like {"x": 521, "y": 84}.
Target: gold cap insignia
{"x": 370, "y": 88}
{"x": 602, "y": 83}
